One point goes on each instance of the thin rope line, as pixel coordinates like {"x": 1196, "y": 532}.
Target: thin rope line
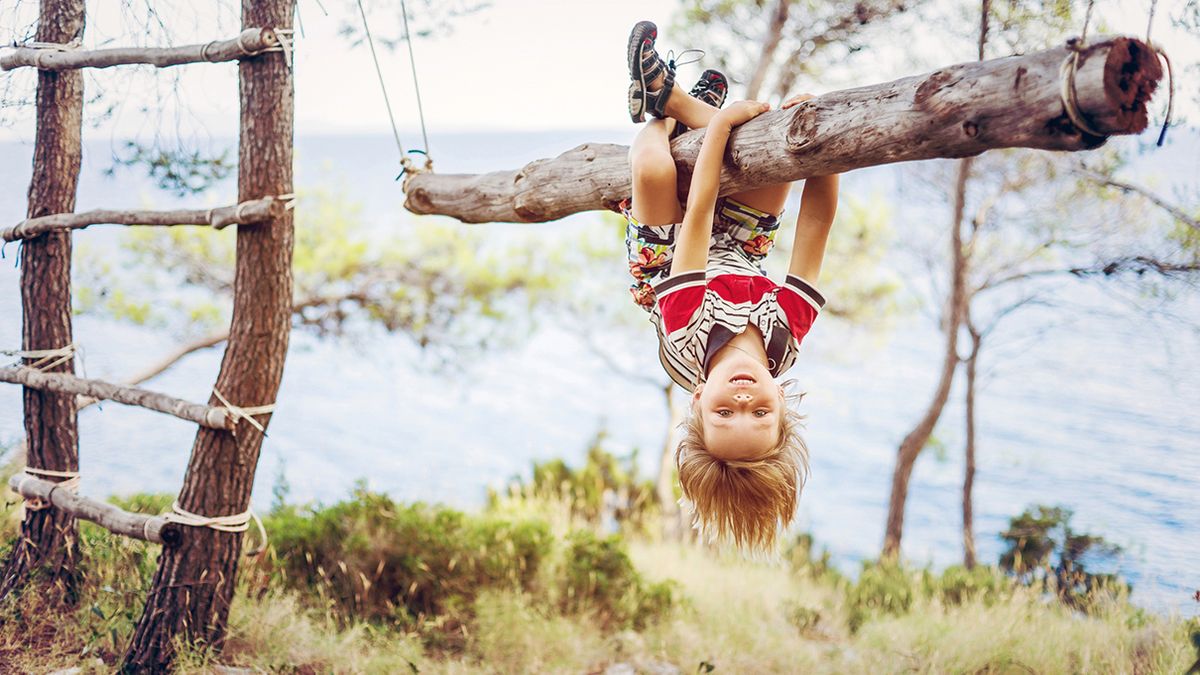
{"x": 1087, "y": 18}
{"x": 412, "y": 63}
{"x": 1150, "y": 21}
{"x": 379, "y": 74}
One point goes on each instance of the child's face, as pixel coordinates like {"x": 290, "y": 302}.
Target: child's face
{"x": 741, "y": 407}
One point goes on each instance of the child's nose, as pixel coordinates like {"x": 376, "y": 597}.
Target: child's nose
{"x": 743, "y": 397}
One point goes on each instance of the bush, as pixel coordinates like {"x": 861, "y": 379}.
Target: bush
{"x": 799, "y": 556}
{"x": 884, "y": 587}
{"x": 416, "y": 566}
{"x": 1042, "y": 548}
{"x": 605, "y": 487}
{"x": 598, "y": 576}
{"x": 958, "y": 585}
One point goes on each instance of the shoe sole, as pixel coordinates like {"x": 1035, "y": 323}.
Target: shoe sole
{"x": 634, "y": 57}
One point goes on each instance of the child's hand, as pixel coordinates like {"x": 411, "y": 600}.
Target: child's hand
{"x": 796, "y": 100}
{"x": 739, "y": 113}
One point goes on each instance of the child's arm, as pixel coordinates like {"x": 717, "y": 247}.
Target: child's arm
{"x": 691, "y": 244}
{"x": 818, "y": 205}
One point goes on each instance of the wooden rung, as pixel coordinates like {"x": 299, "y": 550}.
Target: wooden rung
{"x": 250, "y": 42}
{"x": 156, "y": 529}
{"x": 207, "y": 416}
{"x": 253, "y": 211}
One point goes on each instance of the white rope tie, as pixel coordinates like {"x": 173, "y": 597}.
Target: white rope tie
{"x": 53, "y": 46}
{"x": 286, "y": 38}
{"x": 46, "y": 358}
{"x": 239, "y": 522}
{"x": 70, "y": 482}
{"x": 246, "y": 413}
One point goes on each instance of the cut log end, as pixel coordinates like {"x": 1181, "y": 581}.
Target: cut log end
{"x": 1131, "y": 74}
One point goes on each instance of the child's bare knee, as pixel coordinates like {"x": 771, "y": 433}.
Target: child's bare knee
{"x": 654, "y": 167}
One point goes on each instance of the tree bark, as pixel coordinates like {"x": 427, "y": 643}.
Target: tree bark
{"x": 914, "y": 442}
{"x": 664, "y": 487}
{"x": 969, "y": 473}
{"x": 770, "y": 44}
{"x": 958, "y": 111}
{"x": 215, "y": 417}
{"x": 47, "y": 541}
{"x": 152, "y": 528}
{"x": 251, "y": 42}
{"x": 255, "y": 211}
{"x": 195, "y": 581}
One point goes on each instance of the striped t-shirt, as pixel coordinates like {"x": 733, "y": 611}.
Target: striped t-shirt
{"x": 697, "y": 316}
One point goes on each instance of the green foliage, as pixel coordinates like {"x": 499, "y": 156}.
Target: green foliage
{"x": 887, "y": 587}
{"x": 598, "y": 577}
{"x": 799, "y": 555}
{"x": 605, "y": 486}
{"x": 180, "y": 171}
{"x": 884, "y": 587}
{"x": 856, "y": 270}
{"x": 415, "y": 566}
{"x": 806, "y": 619}
{"x": 1041, "y": 547}
{"x": 958, "y": 585}
{"x": 453, "y": 291}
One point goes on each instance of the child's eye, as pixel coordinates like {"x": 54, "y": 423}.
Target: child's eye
{"x": 725, "y": 413}
{"x": 760, "y": 413}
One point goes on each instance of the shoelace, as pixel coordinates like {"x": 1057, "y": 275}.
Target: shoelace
{"x": 673, "y": 63}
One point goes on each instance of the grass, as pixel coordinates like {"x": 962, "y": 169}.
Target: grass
{"x": 724, "y": 614}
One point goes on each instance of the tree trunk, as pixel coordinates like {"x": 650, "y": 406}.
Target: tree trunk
{"x": 770, "y": 44}
{"x": 195, "y": 580}
{"x": 959, "y": 111}
{"x": 969, "y": 476}
{"x": 673, "y": 525}
{"x": 916, "y": 439}
{"x": 47, "y": 539}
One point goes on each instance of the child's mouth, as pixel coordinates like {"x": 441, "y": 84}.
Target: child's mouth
{"x": 742, "y": 380}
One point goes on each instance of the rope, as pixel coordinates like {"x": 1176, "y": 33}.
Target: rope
{"x": 52, "y": 46}
{"x": 406, "y": 164}
{"x": 1162, "y": 135}
{"x": 239, "y": 412}
{"x": 46, "y": 358}
{"x": 412, "y": 64}
{"x": 1066, "y": 75}
{"x": 70, "y": 482}
{"x": 239, "y": 522}
{"x": 1162, "y": 54}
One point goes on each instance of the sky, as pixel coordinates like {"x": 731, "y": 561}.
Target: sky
{"x": 517, "y": 64}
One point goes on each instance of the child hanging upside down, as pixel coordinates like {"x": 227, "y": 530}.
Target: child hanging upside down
{"x": 725, "y": 330}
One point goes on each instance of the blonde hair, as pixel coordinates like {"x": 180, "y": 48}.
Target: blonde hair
{"x": 746, "y": 502}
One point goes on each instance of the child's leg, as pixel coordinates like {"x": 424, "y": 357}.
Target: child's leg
{"x": 655, "y": 183}
{"x": 697, "y": 114}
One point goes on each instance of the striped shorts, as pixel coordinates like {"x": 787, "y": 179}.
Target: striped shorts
{"x": 741, "y": 235}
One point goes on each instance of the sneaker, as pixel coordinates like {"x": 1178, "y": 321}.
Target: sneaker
{"x": 645, "y": 66}
{"x": 711, "y": 88}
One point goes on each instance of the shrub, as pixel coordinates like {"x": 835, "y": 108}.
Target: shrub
{"x": 417, "y": 566}
{"x": 605, "y": 487}
{"x": 884, "y": 587}
{"x": 598, "y": 576}
{"x": 1042, "y": 548}
{"x": 959, "y": 584}
{"x": 799, "y": 556}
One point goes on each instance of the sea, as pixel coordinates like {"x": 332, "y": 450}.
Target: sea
{"x": 1093, "y": 411}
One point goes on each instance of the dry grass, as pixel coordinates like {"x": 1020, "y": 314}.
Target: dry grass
{"x": 737, "y": 616}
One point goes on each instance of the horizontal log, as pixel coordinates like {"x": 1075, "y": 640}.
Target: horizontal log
{"x": 957, "y": 111}
{"x": 207, "y": 416}
{"x": 253, "y": 211}
{"x": 250, "y": 42}
{"x": 142, "y": 526}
